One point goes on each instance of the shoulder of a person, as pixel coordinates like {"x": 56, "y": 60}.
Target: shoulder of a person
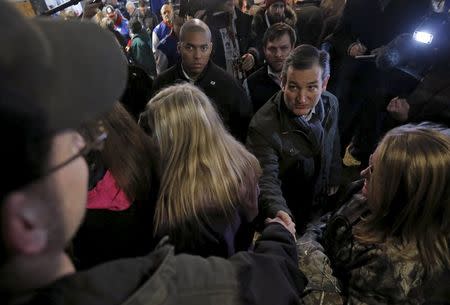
{"x": 167, "y": 77}
{"x": 329, "y": 99}
{"x": 267, "y": 117}
{"x": 219, "y": 75}
{"x": 258, "y": 74}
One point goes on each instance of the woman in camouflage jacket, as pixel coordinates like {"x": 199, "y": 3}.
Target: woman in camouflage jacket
{"x": 389, "y": 244}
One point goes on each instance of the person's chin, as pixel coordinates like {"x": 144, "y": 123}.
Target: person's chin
{"x": 301, "y": 111}
{"x": 277, "y": 66}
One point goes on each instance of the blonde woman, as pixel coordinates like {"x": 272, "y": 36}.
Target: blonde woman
{"x": 389, "y": 244}
{"x": 208, "y": 193}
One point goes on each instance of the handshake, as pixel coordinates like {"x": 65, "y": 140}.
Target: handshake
{"x": 285, "y": 220}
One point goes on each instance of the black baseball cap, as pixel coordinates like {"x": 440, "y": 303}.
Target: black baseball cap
{"x": 54, "y": 75}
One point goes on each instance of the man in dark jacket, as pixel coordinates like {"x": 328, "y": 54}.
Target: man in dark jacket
{"x": 295, "y": 138}
{"x": 143, "y": 14}
{"x": 365, "y": 26}
{"x": 275, "y": 11}
{"x": 278, "y": 41}
{"x": 141, "y": 48}
{"x": 225, "y": 92}
{"x": 44, "y": 187}
{"x": 234, "y": 47}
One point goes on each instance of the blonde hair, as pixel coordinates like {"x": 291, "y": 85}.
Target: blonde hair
{"x": 409, "y": 194}
{"x": 205, "y": 170}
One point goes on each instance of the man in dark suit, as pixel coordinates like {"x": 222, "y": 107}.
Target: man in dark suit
{"x": 225, "y": 92}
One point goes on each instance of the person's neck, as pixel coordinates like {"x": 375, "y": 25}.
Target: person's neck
{"x": 20, "y": 276}
{"x": 190, "y": 74}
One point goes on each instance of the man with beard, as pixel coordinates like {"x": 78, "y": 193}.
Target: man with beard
{"x": 278, "y": 42}
{"x": 275, "y": 11}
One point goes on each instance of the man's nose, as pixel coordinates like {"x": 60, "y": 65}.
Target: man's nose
{"x": 301, "y": 96}
{"x": 197, "y": 53}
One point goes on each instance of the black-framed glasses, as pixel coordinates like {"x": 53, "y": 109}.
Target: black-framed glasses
{"x": 95, "y": 145}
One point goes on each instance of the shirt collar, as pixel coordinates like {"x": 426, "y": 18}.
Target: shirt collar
{"x": 274, "y": 75}
{"x": 189, "y": 79}
{"x": 308, "y": 116}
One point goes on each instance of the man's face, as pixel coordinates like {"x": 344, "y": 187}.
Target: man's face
{"x": 112, "y": 16}
{"x": 130, "y": 9}
{"x": 195, "y": 50}
{"x": 142, "y": 9}
{"x": 302, "y": 89}
{"x": 277, "y": 51}
{"x": 167, "y": 13}
{"x": 276, "y": 12}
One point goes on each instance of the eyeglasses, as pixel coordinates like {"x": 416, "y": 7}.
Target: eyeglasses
{"x": 95, "y": 145}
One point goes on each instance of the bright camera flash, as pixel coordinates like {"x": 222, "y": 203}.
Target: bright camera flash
{"x": 423, "y": 37}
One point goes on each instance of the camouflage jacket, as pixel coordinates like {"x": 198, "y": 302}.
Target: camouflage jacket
{"x": 341, "y": 270}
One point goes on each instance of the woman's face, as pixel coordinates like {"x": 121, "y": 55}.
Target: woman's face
{"x": 367, "y": 172}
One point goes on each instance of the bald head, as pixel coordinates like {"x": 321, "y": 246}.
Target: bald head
{"x": 194, "y": 26}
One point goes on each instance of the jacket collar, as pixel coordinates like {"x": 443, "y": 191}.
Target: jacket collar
{"x": 201, "y": 77}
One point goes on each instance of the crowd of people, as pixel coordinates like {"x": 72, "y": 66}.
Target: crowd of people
{"x": 204, "y": 151}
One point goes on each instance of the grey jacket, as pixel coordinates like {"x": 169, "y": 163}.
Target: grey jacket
{"x": 268, "y": 275}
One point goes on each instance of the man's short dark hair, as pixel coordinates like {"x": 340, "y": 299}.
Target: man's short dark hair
{"x": 275, "y": 31}
{"x": 135, "y": 26}
{"x": 142, "y": 3}
{"x": 305, "y": 57}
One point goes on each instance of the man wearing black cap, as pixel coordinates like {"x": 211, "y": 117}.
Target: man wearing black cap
{"x": 51, "y": 81}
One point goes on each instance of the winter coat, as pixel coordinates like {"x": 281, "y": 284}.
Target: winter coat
{"x": 430, "y": 100}
{"x": 244, "y": 36}
{"x": 164, "y": 44}
{"x": 224, "y": 91}
{"x": 148, "y": 20}
{"x": 164, "y": 278}
{"x": 297, "y": 169}
{"x": 114, "y": 226}
{"x": 141, "y": 52}
{"x": 309, "y": 24}
{"x": 261, "y": 23}
{"x": 261, "y": 87}
{"x": 367, "y": 22}
{"x": 340, "y": 269}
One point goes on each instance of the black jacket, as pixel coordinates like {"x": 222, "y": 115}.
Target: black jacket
{"x": 259, "y": 24}
{"x": 261, "y": 87}
{"x": 430, "y": 100}
{"x": 297, "y": 170}
{"x": 244, "y": 36}
{"x": 224, "y": 91}
{"x": 310, "y": 19}
{"x": 366, "y": 21}
{"x": 165, "y": 278}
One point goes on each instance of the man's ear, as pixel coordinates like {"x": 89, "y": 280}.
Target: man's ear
{"x": 24, "y": 232}
{"x": 179, "y": 47}
{"x": 325, "y": 83}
